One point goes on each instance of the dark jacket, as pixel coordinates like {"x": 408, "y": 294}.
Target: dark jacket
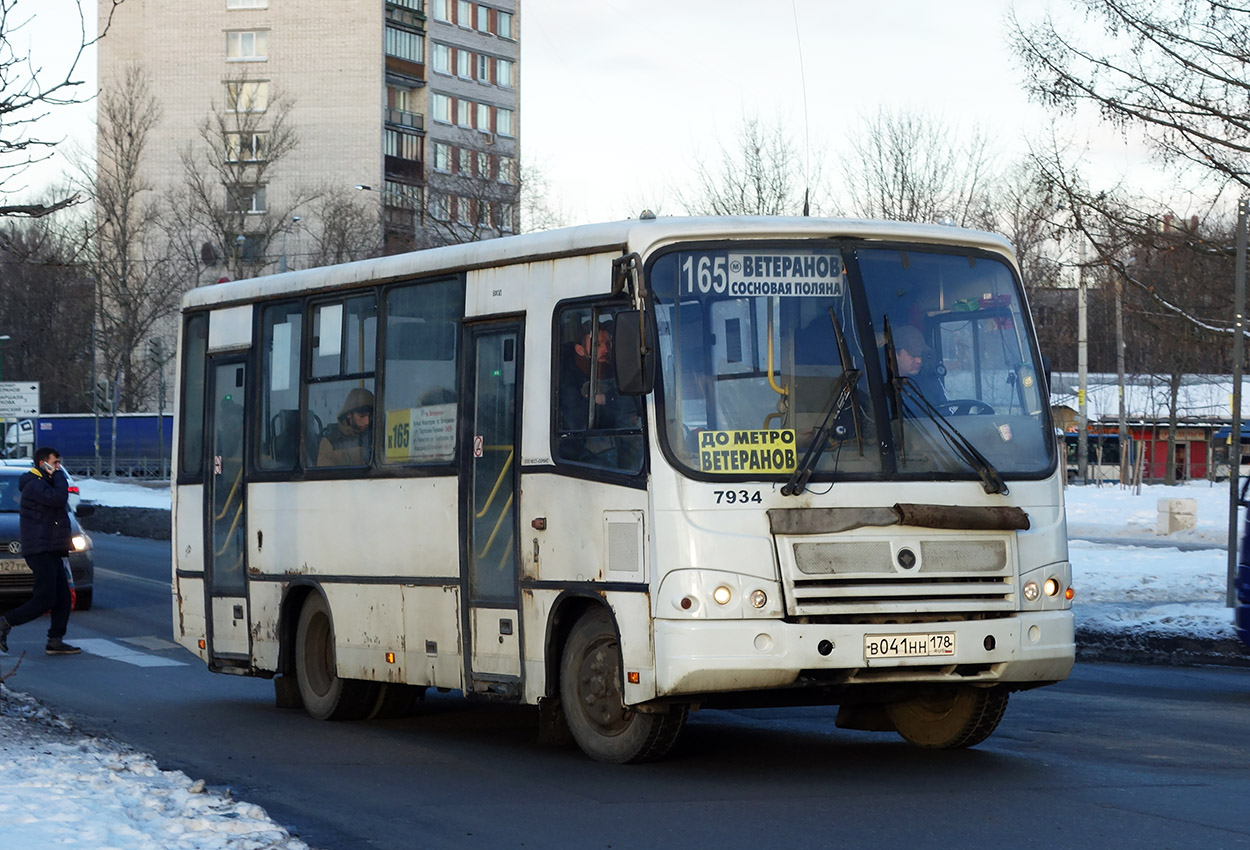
{"x": 44, "y": 513}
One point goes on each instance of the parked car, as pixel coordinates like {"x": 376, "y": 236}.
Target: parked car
{"x": 24, "y": 463}
{"x": 16, "y": 580}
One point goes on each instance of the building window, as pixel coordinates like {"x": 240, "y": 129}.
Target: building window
{"x": 247, "y": 96}
{"x": 506, "y": 219}
{"x": 441, "y": 10}
{"x": 483, "y": 117}
{"x": 463, "y": 166}
{"x": 503, "y": 24}
{"x": 503, "y": 121}
{"x": 245, "y": 147}
{"x": 440, "y": 107}
{"x": 441, "y": 58}
{"x": 247, "y": 46}
{"x": 503, "y": 73}
{"x": 403, "y": 44}
{"x": 464, "y": 63}
{"x": 245, "y": 199}
{"x": 507, "y": 167}
{"x": 414, "y": 5}
{"x": 464, "y": 14}
{"x": 442, "y": 157}
{"x": 483, "y": 20}
{"x": 464, "y": 113}
{"x": 401, "y": 195}
{"x": 247, "y": 4}
{"x": 440, "y": 208}
{"x": 403, "y": 145}
{"x": 483, "y": 68}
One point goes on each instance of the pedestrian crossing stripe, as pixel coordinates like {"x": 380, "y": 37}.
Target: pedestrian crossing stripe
{"x": 116, "y": 652}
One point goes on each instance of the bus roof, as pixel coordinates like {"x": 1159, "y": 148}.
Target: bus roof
{"x": 638, "y": 235}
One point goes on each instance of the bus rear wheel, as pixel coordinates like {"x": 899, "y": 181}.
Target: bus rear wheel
{"x": 949, "y": 719}
{"x": 590, "y": 692}
{"x": 325, "y": 695}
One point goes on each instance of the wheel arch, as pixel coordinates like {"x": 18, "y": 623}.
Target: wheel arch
{"x": 293, "y": 599}
{"x": 569, "y": 607}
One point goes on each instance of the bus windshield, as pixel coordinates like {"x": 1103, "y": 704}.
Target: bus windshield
{"x": 862, "y": 362}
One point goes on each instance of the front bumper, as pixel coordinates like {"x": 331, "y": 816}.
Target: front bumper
{"x": 710, "y": 656}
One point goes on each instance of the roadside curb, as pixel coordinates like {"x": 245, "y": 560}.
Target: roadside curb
{"x": 1161, "y": 649}
{"x": 151, "y": 523}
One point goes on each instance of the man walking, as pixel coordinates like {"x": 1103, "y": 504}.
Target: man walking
{"x": 46, "y": 541}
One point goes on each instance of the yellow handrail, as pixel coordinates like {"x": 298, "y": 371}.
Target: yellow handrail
{"x": 230, "y": 498}
{"x": 499, "y": 481}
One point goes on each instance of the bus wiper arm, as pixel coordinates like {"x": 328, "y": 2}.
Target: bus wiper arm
{"x": 837, "y": 403}
{"x": 991, "y": 480}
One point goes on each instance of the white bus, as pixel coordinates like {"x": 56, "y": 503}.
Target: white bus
{"x": 622, "y": 471}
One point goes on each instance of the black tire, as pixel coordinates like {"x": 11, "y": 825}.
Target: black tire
{"x": 590, "y": 693}
{"x": 950, "y": 718}
{"x": 83, "y": 600}
{"x": 325, "y": 695}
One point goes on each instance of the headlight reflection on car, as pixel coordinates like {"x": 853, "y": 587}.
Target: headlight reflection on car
{"x": 80, "y": 542}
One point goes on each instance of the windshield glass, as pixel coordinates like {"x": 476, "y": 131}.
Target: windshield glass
{"x": 757, "y": 342}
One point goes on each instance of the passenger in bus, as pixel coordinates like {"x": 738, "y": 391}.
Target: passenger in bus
{"x": 349, "y": 441}
{"x": 916, "y": 363}
{"x": 612, "y": 411}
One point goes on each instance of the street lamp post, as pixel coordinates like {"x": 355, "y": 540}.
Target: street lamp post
{"x": 4, "y": 428}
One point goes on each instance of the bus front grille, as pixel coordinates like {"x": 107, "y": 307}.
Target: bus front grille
{"x": 899, "y": 577}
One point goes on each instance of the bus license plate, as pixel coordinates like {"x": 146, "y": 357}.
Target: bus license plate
{"x": 11, "y": 566}
{"x": 923, "y": 645}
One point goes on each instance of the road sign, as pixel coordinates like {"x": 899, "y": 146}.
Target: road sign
{"x": 19, "y": 399}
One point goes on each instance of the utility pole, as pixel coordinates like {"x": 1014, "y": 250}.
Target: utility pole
{"x": 1082, "y": 366}
{"x": 1234, "y": 432}
{"x": 1126, "y": 463}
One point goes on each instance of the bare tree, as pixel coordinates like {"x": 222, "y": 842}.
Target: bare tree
{"x": 760, "y": 174}
{"x": 341, "y": 229}
{"x": 228, "y": 209}
{"x": 45, "y": 308}
{"x": 481, "y": 200}
{"x": 912, "y": 167}
{"x": 136, "y": 284}
{"x": 1175, "y": 70}
{"x": 27, "y": 94}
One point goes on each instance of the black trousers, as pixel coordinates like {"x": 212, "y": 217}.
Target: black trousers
{"x": 51, "y": 594}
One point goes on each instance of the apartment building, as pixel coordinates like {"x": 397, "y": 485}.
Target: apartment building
{"x": 328, "y": 129}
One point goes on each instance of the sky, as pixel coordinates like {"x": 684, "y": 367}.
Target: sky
{"x": 105, "y": 794}
{"x": 620, "y": 100}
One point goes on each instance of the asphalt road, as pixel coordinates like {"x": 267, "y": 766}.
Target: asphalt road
{"x": 1119, "y": 755}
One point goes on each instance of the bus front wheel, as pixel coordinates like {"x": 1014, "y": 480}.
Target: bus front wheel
{"x": 325, "y": 695}
{"x": 949, "y": 719}
{"x": 590, "y": 692}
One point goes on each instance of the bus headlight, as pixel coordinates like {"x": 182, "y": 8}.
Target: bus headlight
{"x": 722, "y": 595}
{"x": 80, "y": 542}
{"x": 1051, "y": 587}
{"x": 1031, "y": 591}
{"x": 758, "y": 599}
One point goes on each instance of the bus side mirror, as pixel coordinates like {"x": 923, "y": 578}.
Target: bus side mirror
{"x": 634, "y": 352}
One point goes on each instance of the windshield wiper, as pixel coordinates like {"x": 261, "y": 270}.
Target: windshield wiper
{"x": 833, "y": 409}
{"x": 837, "y": 403}
{"x": 991, "y": 481}
{"x": 905, "y": 390}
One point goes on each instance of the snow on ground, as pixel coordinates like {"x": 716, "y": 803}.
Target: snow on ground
{"x": 61, "y": 788}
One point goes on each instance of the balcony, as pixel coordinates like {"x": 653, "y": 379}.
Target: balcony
{"x": 408, "y": 13}
{"x": 403, "y": 118}
{"x": 404, "y": 170}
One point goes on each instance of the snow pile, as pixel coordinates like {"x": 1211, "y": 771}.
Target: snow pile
{"x": 59, "y": 788}
{"x": 1131, "y": 581}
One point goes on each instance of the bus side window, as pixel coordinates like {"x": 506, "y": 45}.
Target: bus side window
{"x": 194, "y": 362}
{"x": 340, "y": 388}
{"x": 417, "y": 411}
{"x": 595, "y": 426}
{"x": 281, "y": 332}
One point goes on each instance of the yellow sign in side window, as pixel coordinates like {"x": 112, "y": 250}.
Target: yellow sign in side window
{"x": 747, "y": 452}
{"x": 422, "y": 434}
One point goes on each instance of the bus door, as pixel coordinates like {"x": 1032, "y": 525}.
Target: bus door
{"x": 226, "y": 521}
{"x": 489, "y": 482}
